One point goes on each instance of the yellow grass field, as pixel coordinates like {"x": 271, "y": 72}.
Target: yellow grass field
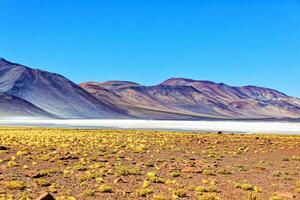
{"x": 129, "y": 164}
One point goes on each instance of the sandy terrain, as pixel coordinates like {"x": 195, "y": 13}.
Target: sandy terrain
{"x": 123, "y": 164}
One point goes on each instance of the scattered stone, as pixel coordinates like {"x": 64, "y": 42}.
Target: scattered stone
{"x": 46, "y": 196}
{"x": 285, "y": 194}
{"x": 191, "y": 170}
{"x": 120, "y": 180}
{"x": 199, "y": 162}
{"x": 3, "y": 148}
{"x": 69, "y": 157}
{"x": 173, "y": 168}
{"x": 215, "y": 165}
{"x": 128, "y": 159}
{"x": 34, "y": 174}
{"x": 191, "y": 164}
{"x": 54, "y": 159}
{"x": 102, "y": 160}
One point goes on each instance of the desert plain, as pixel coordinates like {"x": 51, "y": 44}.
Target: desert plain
{"x": 146, "y": 164}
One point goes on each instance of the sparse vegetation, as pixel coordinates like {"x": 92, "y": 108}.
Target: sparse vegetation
{"x": 144, "y": 192}
{"x": 123, "y": 164}
{"x": 180, "y": 193}
{"x": 298, "y": 186}
{"x": 105, "y": 188}
{"x": 276, "y": 197}
{"x": 15, "y": 185}
{"x": 254, "y": 196}
{"x": 125, "y": 171}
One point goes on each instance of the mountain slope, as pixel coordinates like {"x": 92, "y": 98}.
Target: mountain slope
{"x": 179, "y": 98}
{"x": 53, "y": 93}
{"x": 11, "y": 106}
{"x": 34, "y": 92}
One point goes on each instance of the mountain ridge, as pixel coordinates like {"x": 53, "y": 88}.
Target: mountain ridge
{"x": 202, "y": 98}
{"x": 53, "y": 95}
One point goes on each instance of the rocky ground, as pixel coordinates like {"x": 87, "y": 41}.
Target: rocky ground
{"x": 129, "y": 164}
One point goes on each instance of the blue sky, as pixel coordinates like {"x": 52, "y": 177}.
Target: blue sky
{"x": 237, "y": 42}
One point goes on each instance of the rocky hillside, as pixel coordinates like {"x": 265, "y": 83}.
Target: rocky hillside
{"x": 179, "y": 98}
{"x": 53, "y": 93}
{"x": 33, "y": 92}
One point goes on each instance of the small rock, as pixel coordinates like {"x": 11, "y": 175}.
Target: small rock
{"x": 192, "y": 164}
{"x": 215, "y": 165}
{"x": 285, "y": 194}
{"x": 199, "y": 162}
{"x": 69, "y": 157}
{"x": 46, "y": 196}
{"x": 102, "y": 160}
{"x": 55, "y": 158}
{"x": 3, "y": 148}
{"x": 34, "y": 174}
{"x": 173, "y": 168}
{"x": 128, "y": 159}
{"x": 191, "y": 170}
{"x": 120, "y": 180}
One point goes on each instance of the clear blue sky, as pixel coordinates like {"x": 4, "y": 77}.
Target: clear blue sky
{"x": 237, "y": 42}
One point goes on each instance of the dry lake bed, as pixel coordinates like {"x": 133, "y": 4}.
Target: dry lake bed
{"x": 290, "y": 128}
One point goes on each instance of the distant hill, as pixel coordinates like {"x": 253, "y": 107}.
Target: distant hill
{"x": 11, "y": 107}
{"x": 180, "y": 98}
{"x": 53, "y": 93}
{"x": 31, "y": 92}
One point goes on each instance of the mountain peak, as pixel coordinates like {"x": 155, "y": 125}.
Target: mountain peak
{"x": 176, "y": 79}
{"x": 6, "y": 62}
{"x": 53, "y": 93}
{"x": 2, "y": 60}
{"x": 182, "y": 81}
{"x": 175, "y": 98}
{"x": 121, "y": 82}
{"x": 114, "y": 84}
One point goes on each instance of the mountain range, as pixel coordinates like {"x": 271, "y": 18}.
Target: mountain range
{"x": 34, "y": 93}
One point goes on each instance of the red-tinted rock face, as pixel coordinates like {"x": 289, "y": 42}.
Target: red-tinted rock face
{"x": 49, "y": 94}
{"x": 179, "y": 98}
